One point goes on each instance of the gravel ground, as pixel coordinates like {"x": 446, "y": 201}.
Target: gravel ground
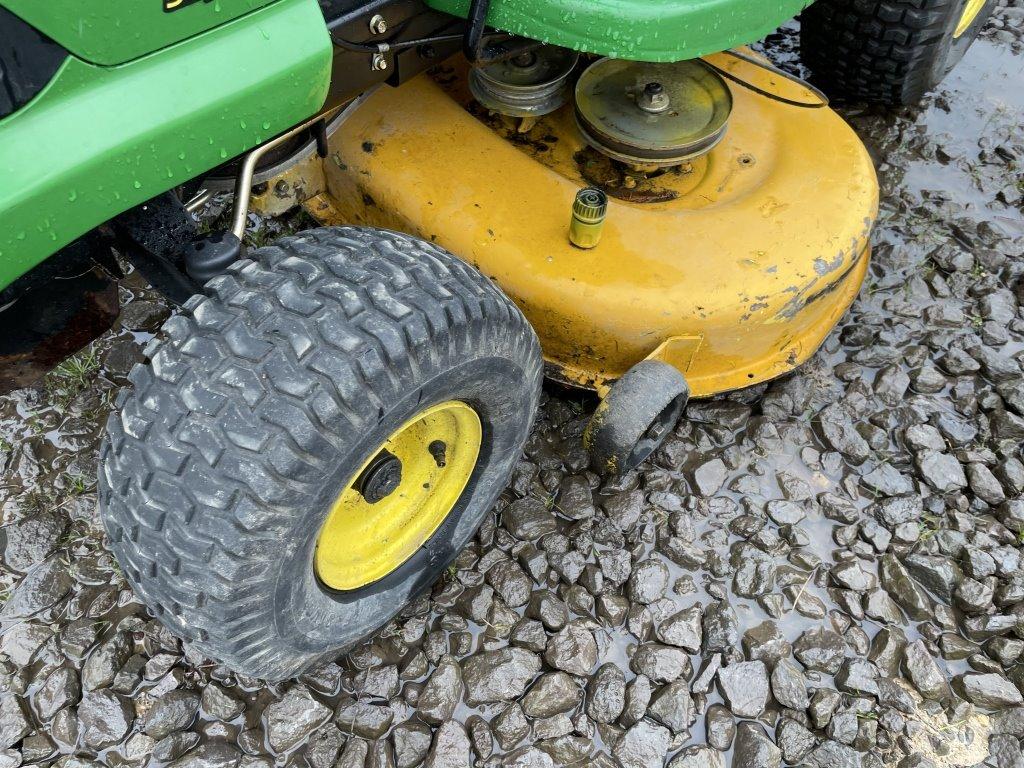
{"x": 825, "y": 571}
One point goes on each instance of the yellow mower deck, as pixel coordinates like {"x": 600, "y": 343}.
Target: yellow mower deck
{"x": 733, "y": 268}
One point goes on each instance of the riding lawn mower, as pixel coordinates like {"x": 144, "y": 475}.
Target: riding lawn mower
{"x": 613, "y": 194}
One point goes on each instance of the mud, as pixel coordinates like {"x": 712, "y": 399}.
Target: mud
{"x": 821, "y": 571}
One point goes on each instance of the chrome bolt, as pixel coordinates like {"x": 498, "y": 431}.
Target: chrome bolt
{"x": 653, "y": 98}
{"x": 378, "y": 25}
{"x": 380, "y": 62}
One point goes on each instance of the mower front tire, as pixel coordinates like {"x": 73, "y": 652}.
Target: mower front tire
{"x": 634, "y": 418}
{"x": 313, "y": 442}
{"x": 888, "y": 51}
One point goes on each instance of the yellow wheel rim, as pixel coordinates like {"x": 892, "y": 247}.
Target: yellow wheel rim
{"x": 971, "y": 11}
{"x": 365, "y": 538}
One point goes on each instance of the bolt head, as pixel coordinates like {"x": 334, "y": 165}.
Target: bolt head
{"x": 378, "y": 25}
{"x": 653, "y": 98}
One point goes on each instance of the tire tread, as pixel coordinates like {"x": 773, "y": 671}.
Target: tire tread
{"x": 223, "y": 431}
{"x": 882, "y": 51}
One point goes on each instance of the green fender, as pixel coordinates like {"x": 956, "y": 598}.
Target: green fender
{"x": 642, "y": 30}
{"x": 100, "y": 140}
{"x": 115, "y": 31}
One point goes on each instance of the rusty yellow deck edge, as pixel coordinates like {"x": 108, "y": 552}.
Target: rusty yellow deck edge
{"x": 775, "y": 363}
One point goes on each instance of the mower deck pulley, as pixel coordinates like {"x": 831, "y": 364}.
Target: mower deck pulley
{"x": 652, "y": 114}
{"x": 532, "y": 84}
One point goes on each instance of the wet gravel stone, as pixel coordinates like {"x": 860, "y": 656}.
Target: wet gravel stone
{"x": 754, "y": 749}
{"x": 648, "y": 582}
{"x": 210, "y": 755}
{"x": 511, "y": 726}
{"x": 673, "y": 707}
{"x": 989, "y": 691}
{"x": 14, "y": 722}
{"x": 220, "y": 704}
{"x": 904, "y": 589}
{"x": 638, "y": 699}
{"x": 450, "y": 748}
{"x": 528, "y": 519}
{"x": 606, "y": 694}
{"x": 720, "y": 727}
{"x": 745, "y": 687}
{"x": 173, "y": 711}
{"x": 643, "y": 746}
{"x": 857, "y": 676}
{"x": 144, "y": 316}
{"x": 789, "y": 685}
{"x": 501, "y": 675}
{"x": 29, "y": 541}
{"x": 709, "y": 477}
{"x": 839, "y": 430}
{"x": 660, "y": 663}
{"x": 698, "y": 757}
{"x": 924, "y": 673}
{"x": 795, "y": 741}
{"x": 60, "y": 689}
{"x": 324, "y": 746}
{"x": 105, "y": 662}
{"x": 105, "y": 718}
{"x": 411, "y": 741}
{"x": 369, "y": 721}
{"x": 442, "y": 693}
{"x": 765, "y": 642}
{"x": 573, "y": 649}
{"x": 682, "y": 629}
{"x": 820, "y": 650}
{"x": 354, "y": 754}
{"x": 42, "y": 587}
{"x": 941, "y": 470}
{"x": 552, "y": 694}
{"x": 721, "y": 628}
{"x": 293, "y": 717}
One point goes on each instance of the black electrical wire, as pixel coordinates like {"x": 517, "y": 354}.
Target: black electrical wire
{"x": 823, "y": 99}
{"x": 389, "y": 47}
{"x": 486, "y": 56}
{"x": 476, "y": 41}
{"x": 476, "y": 20}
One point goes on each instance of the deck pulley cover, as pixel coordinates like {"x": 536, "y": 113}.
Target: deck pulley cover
{"x": 649, "y": 114}
{"x": 532, "y": 84}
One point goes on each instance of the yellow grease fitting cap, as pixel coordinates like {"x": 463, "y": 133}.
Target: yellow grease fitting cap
{"x": 588, "y": 214}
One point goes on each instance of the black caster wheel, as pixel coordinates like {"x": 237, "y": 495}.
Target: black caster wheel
{"x": 635, "y": 417}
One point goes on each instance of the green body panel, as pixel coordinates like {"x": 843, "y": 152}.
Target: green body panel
{"x": 641, "y": 30}
{"x": 115, "y": 31}
{"x": 100, "y": 140}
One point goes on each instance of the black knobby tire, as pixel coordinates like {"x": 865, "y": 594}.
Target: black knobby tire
{"x": 885, "y": 51}
{"x": 265, "y": 398}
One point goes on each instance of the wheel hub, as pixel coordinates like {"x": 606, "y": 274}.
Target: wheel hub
{"x": 381, "y": 478}
{"x": 399, "y": 497}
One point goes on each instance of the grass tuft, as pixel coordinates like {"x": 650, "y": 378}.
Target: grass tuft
{"x": 72, "y": 377}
